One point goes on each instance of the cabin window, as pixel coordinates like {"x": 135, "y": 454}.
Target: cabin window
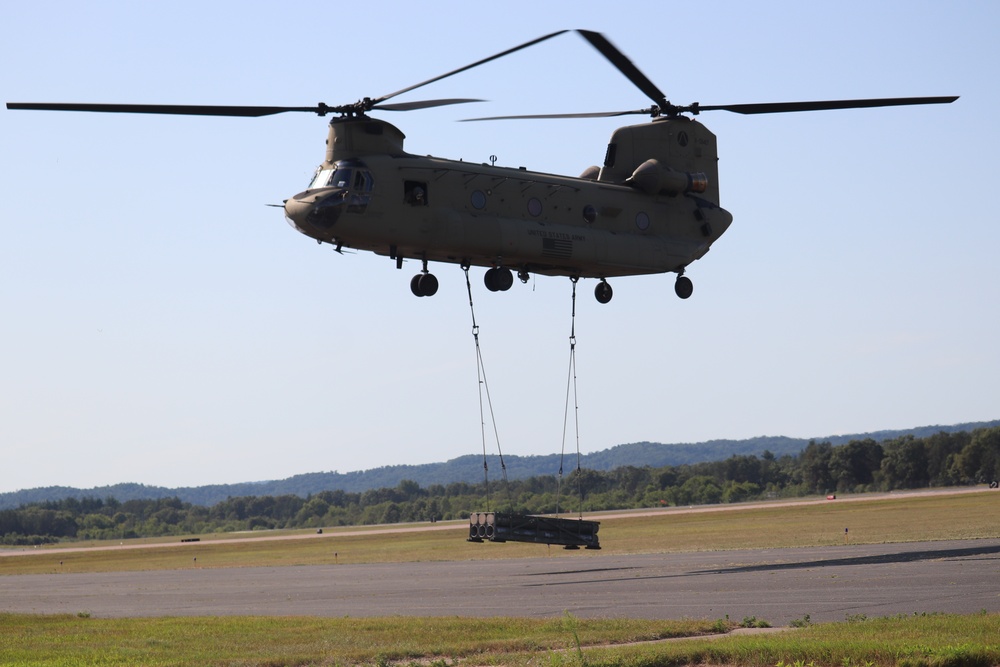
{"x": 415, "y": 193}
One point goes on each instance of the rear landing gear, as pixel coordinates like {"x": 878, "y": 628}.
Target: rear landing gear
{"x": 603, "y": 291}
{"x": 683, "y": 287}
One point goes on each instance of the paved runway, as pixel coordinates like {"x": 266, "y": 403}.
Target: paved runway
{"x": 777, "y": 585}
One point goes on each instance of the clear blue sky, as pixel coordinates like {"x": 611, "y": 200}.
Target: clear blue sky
{"x": 160, "y": 324}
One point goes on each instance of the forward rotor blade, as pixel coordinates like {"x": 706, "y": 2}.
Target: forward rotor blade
{"x": 626, "y": 67}
{"x": 175, "y": 109}
{"x": 252, "y": 112}
{"x": 594, "y": 114}
{"x": 468, "y": 67}
{"x": 425, "y": 104}
{"x": 786, "y": 107}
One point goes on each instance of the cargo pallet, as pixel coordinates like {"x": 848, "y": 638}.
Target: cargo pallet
{"x": 512, "y": 527}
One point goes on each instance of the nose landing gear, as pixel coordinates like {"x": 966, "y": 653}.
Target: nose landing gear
{"x": 498, "y": 279}
{"x": 424, "y": 283}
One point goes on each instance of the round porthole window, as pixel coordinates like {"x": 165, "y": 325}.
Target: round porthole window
{"x": 478, "y": 199}
{"x": 642, "y": 221}
{"x": 534, "y": 206}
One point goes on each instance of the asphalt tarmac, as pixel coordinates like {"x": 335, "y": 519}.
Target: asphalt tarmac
{"x": 776, "y": 585}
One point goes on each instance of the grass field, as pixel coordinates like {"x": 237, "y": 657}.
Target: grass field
{"x": 911, "y": 641}
{"x": 897, "y": 518}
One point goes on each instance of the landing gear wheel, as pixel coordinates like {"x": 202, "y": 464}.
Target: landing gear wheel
{"x": 498, "y": 279}
{"x": 683, "y": 287}
{"x": 424, "y": 284}
{"x": 428, "y": 284}
{"x": 603, "y": 292}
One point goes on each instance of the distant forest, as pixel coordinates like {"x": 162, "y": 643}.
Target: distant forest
{"x": 906, "y": 462}
{"x": 469, "y": 469}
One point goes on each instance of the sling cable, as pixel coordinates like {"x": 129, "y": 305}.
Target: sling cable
{"x": 511, "y": 526}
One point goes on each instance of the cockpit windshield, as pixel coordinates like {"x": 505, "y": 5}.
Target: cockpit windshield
{"x": 349, "y": 174}
{"x": 321, "y": 178}
{"x": 327, "y": 178}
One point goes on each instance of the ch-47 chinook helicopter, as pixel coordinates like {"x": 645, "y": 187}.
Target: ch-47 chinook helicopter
{"x": 652, "y": 208}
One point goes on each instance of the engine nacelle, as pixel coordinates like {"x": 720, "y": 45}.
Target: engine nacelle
{"x": 653, "y": 178}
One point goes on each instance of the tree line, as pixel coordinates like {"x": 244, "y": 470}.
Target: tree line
{"x": 908, "y": 462}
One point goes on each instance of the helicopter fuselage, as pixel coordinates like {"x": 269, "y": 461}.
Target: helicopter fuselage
{"x": 634, "y": 217}
{"x": 653, "y": 207}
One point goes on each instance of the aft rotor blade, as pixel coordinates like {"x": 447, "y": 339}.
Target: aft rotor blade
{"x": 825, "y": 105}
{"x": 468, "y": 67}
{"x": 626, "y": 67}
{"x": 176, "y": 109}
{"x": 425, "y": 104}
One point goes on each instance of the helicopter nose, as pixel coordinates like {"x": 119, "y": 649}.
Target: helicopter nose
{"x": 314, "y": 214}
{"x": 296, "y": 211}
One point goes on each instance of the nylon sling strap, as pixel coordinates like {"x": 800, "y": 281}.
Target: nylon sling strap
{"x": 484, "y": 386}
{"x": 571, "y": 384}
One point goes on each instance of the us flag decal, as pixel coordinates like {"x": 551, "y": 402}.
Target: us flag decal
{"x": 557, "y": 248}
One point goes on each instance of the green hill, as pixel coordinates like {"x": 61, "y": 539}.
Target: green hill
{"x": 469, "y": 469}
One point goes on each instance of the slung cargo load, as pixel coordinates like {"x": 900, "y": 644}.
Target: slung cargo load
{"x": 511, "y": 527}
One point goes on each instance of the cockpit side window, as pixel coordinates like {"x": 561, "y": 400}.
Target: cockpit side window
{"x": 341, "y": 178}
